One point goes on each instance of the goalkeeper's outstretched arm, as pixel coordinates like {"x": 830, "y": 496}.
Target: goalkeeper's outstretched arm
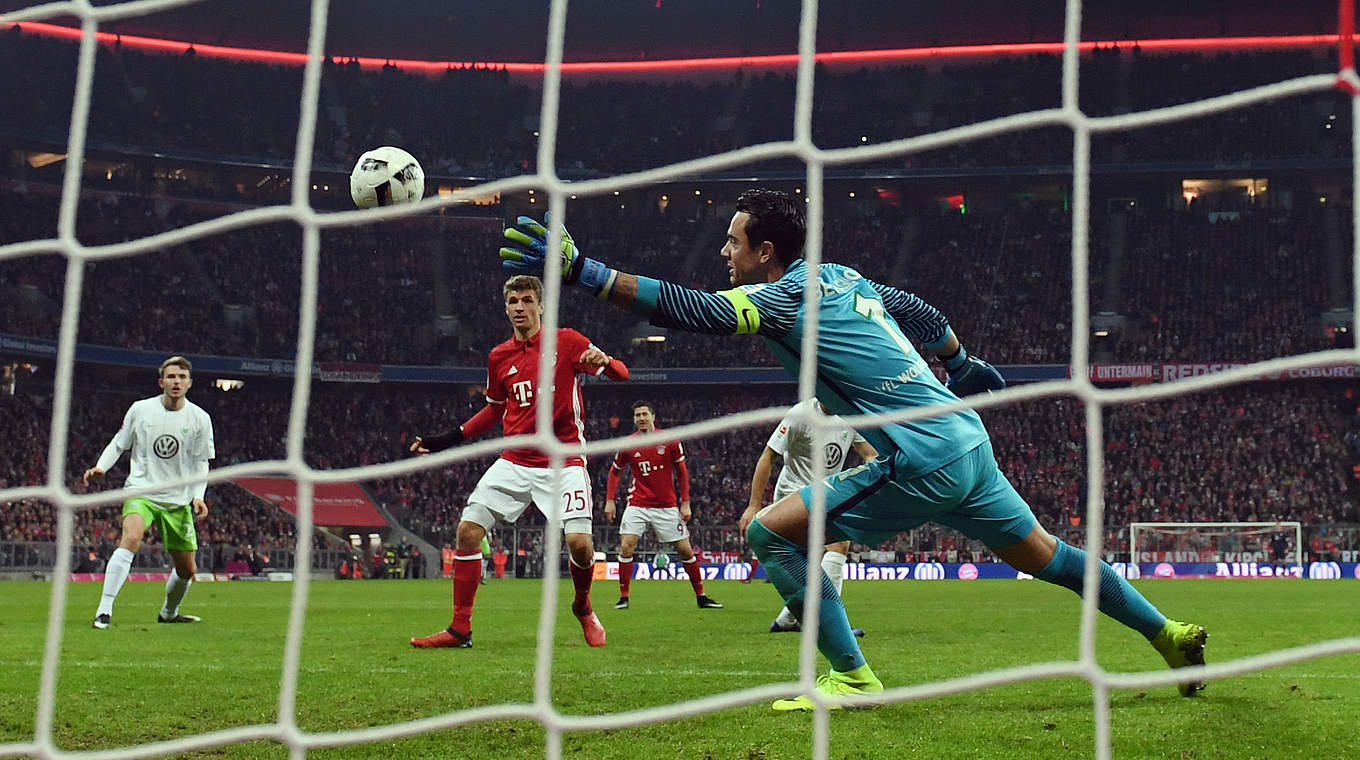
{"x": 767, "y": 308}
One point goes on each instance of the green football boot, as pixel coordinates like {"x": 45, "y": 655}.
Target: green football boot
{"x": 833, "y": 686}
{"x": 1182, "y": 644}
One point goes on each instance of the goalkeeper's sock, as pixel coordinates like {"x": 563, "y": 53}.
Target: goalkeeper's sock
{"x": 580, "y": 580}
{"x": 696, "y": 576}
{"x": 175, "y": 589}
{"x": 467, "y": 577}
{"x": 833, "y": 567}
{"x": 1118, "y": 599}
{"x": 786, "y": 565}
{"x": 625, "y": 576}
{"x": 115, "y": 574}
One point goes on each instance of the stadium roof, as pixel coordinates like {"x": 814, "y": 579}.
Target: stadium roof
{"x": 632, "y": 30}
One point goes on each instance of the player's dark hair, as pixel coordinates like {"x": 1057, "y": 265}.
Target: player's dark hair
{"x": 524, "y": 282}
{"x": 777, "y": 217}
{"x": 638, "y": 404}
{"x": 175, "y": 361}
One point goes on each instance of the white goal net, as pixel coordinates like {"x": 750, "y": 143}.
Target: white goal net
{"x": 285, "y": 728}
{"x": 1279, "y": 543}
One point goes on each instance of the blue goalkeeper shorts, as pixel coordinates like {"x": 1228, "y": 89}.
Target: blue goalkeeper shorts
{"x": 868, "y": 504}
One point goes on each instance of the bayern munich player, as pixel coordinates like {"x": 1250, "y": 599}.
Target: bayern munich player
{"x": 651, "y": 504}
{"x": 523, "y": 475}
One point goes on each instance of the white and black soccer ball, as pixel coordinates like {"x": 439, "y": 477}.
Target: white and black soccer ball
{"x": 386, "y": 176}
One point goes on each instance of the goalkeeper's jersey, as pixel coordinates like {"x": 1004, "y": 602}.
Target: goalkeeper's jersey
{"x": 165, "y": 445}
{"x": 865, "y": 363}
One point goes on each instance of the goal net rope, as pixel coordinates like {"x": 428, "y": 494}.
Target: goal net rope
{"x": 285, "y": 728}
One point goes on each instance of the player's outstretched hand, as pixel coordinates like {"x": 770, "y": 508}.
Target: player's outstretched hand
{"x": 94, "y": 473}
{"x": 974, "y": 376}
{"x": 746, "y": 517}
{"x": 423, "y": 445}
{"x": 594, "y": 357}
{"x": 529, "y": 252}
{"x": 529, "y": 255}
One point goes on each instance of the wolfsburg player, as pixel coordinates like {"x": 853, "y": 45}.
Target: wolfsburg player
{"x": 938, "y": 469}
{"x": 651, "y": 505}
{"x": 171, "y": 438}
{"x": 795, "y": 440}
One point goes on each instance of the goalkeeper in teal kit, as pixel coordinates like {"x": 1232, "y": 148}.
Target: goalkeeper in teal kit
{"x": 940, "y": 469}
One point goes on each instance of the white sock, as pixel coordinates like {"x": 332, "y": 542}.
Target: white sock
{"x": 786, "y": 619}
{"x": 833, "y": 567}
{"x": 175, "y": 589}
{"x": 115, "y": 574}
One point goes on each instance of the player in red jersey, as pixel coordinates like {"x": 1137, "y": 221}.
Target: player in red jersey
{"x": 651, "y": 504}
{"x": 522, "y": 475}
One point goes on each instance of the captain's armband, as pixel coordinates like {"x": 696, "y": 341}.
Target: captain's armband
{"x": 748, "y": 317}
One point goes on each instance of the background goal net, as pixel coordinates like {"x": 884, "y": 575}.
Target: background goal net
{"x": 1264, "y": 542}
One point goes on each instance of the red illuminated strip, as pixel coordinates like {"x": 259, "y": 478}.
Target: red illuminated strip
{"x": 1345, "y": 54}
{"x": 855, "y": 56}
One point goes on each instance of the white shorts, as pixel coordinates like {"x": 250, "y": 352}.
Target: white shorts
{"x": 665, "y": 522}
{"x": 506, "y": 490}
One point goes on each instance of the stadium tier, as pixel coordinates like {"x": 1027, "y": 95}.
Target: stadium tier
{"x": 1181, "y": 209}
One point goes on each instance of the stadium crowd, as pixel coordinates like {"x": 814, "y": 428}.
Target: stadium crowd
{"x": 426, "y": 290}
{"x": 195, "y": 105}
{"x": 1263, "y": 452}
{"x": 1193, "y": 285}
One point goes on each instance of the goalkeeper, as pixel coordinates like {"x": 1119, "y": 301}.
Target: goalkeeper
{"x": 938, "y": 469}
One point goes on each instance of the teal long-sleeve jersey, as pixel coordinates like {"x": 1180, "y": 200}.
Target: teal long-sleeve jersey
{"x": 865, "y": 362}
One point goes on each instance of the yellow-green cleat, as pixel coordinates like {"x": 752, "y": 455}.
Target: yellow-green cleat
{"x": 1182, "y": 644}
{"x": 834, "y": 686}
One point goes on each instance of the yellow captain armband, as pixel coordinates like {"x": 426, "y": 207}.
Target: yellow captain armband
{"x": 748, "y": 317}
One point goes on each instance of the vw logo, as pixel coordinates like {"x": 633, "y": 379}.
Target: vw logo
{"x": 165, "y": 446}
{"x": 833, "y": 456}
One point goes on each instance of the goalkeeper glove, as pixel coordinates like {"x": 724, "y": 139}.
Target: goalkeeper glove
{"x": 530, "y": 255}
{"x": 969, "y": 375}
{"x": 442, "y": 441}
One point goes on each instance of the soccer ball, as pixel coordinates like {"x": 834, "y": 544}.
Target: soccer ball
{"x": 386, "y": 176}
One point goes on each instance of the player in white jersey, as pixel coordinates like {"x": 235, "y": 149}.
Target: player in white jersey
{"x": 170, "y": 438}
{"x": 795, "y": 440}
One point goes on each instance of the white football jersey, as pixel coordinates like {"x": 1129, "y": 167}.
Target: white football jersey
{"x": 165, "y": 446}
{"x": 793, "y": 440}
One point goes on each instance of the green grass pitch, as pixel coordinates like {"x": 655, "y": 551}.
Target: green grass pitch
{"x": 139, "y": 681}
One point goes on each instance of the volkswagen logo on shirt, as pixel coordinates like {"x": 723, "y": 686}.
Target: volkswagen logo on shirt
{"x": 165, "y": 446}
{"x": 833, "y": 456}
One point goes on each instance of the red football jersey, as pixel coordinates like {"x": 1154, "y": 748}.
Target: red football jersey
{"x": 652, "y": 468}
{"x": 512, "y": 382}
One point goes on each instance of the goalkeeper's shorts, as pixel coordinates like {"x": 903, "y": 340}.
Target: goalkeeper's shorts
{"x": 869, "y": 505}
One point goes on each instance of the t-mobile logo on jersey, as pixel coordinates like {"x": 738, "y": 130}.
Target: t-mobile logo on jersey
{"x": 524, "y": 391}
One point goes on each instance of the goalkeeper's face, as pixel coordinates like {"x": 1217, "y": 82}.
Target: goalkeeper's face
{"x": 745, "y": 264}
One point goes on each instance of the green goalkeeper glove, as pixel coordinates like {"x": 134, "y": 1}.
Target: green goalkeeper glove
{"x": 530, "y": 255}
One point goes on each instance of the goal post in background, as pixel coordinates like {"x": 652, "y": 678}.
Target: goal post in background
{"x": 1214, "y": 542}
